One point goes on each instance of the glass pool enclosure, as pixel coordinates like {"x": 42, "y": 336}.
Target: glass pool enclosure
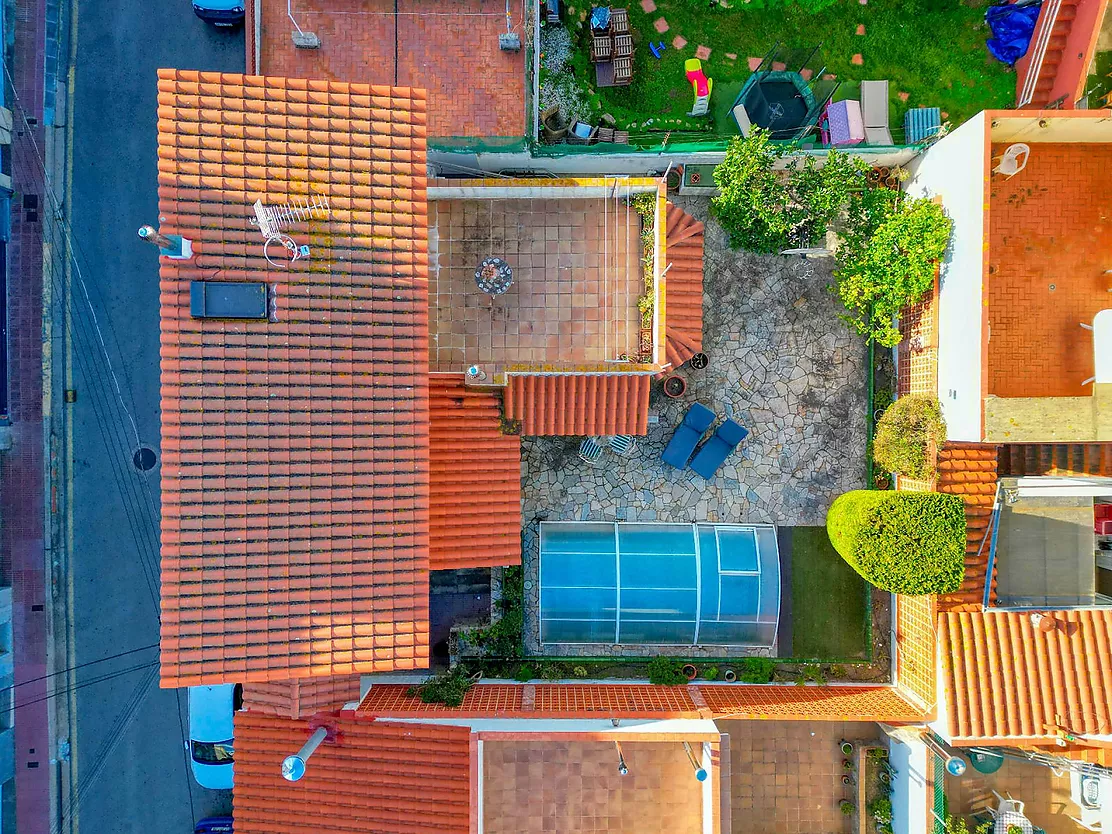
{"x": 659, "y": 584}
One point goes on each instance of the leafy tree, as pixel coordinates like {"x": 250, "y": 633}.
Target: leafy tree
{"x": 750, "y": 205}
{"x": 767, "y": 211}
{"x": 887, "y": 261}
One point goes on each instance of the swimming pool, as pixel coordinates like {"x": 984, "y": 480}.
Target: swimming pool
{"x": 670, "y": 584}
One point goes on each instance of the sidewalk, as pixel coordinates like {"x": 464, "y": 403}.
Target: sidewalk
{"x": 22, "y": 468}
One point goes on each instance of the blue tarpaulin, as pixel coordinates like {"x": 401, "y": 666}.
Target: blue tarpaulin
{"x": 1012, "y": 27}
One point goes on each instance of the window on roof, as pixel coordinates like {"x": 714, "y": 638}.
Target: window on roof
{"x": 228, "y": 300}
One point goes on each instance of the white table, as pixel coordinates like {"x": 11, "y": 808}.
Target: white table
{"x": 1007, "y": 819}
{"x": 1102, "y": 346}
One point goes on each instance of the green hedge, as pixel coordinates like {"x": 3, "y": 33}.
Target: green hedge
{"x": 907, "y": 433}
{"x": 904, "y": 542}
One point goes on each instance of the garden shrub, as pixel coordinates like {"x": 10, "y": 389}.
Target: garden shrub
{"x": 525, "y": 673}
{"x": 447, "y": 688}
{"x": 755, "y": 669}
{"x": 503, "y": 639}
{"x": 907, "y": 433}
{"x": 887, "y": 259}
{"x": 666, "y": 671}
{"x": 904, "y": 542}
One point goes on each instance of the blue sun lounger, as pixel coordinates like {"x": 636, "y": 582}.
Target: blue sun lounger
{"x": 718, "y": 448}
{"x": 687, "y": 435}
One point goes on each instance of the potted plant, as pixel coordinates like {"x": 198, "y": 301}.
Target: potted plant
{"x": 846, "y": 807}
{"x": 847, "y": 781}
{"x": 674, "y": 386}
{"x": 730, "y": 676}
{"x": 847, "y": 748}
{"x": 689, "y": 671}
{"x": 847, "y": 764}
{"x": 882, "y": 481}
{"x": 710, "y": 673}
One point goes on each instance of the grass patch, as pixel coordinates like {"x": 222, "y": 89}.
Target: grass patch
{"x": 934, "y": 50}
{"x": 828, "y": 600}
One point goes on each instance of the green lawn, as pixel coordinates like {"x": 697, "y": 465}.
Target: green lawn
{"x": 828, "y": 600}
{"x": 931, "y": 49}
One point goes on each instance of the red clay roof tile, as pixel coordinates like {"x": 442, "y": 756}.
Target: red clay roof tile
{"x": 301, "y": 698}
{"x": 378, "y": 777}
{"x": 579, "y": 404}
{"x": 969, "y": 470}
{"x": 1004, "y": 678}
{"x": 295, "y": 471}
{"x": 683, "y": 286}
{"x": 849, "y": 703}
{"x": 474, "y": 479}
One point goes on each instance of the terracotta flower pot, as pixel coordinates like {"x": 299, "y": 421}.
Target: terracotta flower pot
{"x": 674, "y": 386}
{"x": 689, "y": 671}
{"x": 730, "y": 676}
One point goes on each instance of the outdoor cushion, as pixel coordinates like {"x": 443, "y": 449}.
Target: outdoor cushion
{"x": 718, "y": 448}
{"x": 687, "y": 435}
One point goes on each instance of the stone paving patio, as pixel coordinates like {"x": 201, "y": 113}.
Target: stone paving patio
{"x": 781, "y": 363}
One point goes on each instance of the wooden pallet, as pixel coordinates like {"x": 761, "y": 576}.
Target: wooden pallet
{"x": 619, "y": 21}
{"x": 623, "y": 71}
{"x": 601, "y": 47}
{"x": 623, "y": 46}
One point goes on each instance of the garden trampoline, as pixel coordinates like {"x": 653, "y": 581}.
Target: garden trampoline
{"x": 787, "y": 102}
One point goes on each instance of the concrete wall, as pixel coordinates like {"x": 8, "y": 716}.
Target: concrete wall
{"x": 912, "y": 789}
{"x": 954, "y": 169}
{"x": 1050, "y": 419}
{"x": 588, "y": 163}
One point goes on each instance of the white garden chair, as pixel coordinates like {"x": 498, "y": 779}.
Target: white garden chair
{"x": 1013, "y": 160}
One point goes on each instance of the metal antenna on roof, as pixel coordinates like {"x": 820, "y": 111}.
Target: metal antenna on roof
{"x": 271, "y": 220}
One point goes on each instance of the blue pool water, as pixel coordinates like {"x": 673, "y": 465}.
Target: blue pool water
{"x": 673, "y": 584}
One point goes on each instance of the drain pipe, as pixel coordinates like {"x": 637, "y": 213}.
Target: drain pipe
{"x": 258, "y": 37}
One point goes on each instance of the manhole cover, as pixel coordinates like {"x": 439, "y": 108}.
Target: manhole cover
{"x": 699, "y": 361}
{"x": 144, "y": 459}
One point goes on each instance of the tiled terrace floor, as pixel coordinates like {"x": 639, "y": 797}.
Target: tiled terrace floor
{"x": 786, "y": 776}
{"x": 782, "y": 364}
{"x": 449, "y": 49}
{"x": 1050, "y": 235}
{"x": 577, "y": 276}
{"x": 540, "y": 786}
{"x": 1046, "y": 796}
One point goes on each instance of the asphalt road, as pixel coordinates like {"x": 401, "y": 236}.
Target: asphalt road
{"x": 129, "y": 764}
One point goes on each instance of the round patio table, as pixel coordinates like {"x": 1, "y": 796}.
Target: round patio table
{"x": 1007, "y": 819}
{"x": 494, "y": 276}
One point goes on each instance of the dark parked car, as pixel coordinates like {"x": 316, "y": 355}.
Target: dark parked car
{"x": 214, "y": 825}
{"x": 220, "y": 12}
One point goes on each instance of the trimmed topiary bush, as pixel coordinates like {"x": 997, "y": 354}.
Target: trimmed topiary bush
{"x": 908, "y": 435}
{"x": 904, "y": 542}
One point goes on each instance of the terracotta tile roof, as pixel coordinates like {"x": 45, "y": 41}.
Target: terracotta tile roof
{"x": 469, "y": 452}
{"x": 848, "y": 703}
{"x": 295, "y": 451}
{"x": 1003, "y": 678}
{"x": 379, "y": 777}
{"x": 969, "y": 470}
{"x": 683, "y": 298}
{"x": 301, "y": 698}
{"x": 837, "y": 703}
{"x": 579, "y": 404}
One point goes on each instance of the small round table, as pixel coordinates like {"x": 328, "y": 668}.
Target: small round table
{"x": 494, "y": 276}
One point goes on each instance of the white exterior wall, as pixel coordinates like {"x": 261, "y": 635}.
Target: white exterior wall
{"x": 954, "y": 169}
{"x": 912, "y": 798}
